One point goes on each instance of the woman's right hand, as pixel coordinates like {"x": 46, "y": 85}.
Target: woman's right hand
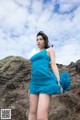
{"x": 28, "y": 92}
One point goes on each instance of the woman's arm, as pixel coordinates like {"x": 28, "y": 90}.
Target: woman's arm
{"x": 53, "y": 64}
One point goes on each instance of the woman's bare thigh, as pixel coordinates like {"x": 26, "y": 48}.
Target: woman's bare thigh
{"x": 33, "y": 98}
{"x": 43, "y": 105}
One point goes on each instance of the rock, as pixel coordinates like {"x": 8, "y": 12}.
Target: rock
{"x": 65, "y": 106}
{"x": 78, "y": 66}
{"x": 15, "y": 75}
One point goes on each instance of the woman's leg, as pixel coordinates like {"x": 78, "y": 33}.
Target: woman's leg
{"x": 33, "y": 106}
{"x": 43, "y": 105}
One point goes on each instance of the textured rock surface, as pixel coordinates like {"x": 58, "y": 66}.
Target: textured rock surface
{"x": 15, "y": 75}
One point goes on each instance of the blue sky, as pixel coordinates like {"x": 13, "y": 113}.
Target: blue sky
{"x": 21, "y": 20}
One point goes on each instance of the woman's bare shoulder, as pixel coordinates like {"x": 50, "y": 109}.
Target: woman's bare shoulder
{"x": 50, "y": 49}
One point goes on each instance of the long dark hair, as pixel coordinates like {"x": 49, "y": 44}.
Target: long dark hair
{"x": 45, "y": 37}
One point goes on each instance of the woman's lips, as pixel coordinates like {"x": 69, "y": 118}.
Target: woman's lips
{"x": 39, "y": 44}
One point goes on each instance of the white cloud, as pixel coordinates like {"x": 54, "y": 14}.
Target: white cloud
{"x": 20, "y": 20}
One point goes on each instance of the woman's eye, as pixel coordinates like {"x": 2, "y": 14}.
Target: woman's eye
{"x": 41, "y": 39}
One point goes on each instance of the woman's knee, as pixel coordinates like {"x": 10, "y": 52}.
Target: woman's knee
{"x": 33, "y": 111}
{"x": 33, "y": 104}
{"x": 42, "y": 116}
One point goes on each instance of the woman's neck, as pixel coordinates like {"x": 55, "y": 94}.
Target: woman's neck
{"x": 42, "y": 49}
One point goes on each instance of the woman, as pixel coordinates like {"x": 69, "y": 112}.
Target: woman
{"x": 44, "y": 82}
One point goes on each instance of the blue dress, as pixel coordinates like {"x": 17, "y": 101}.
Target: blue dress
{"x": 43, "y": 80}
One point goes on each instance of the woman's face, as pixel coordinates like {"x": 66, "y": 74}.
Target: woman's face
{"x": 40, "y": 42}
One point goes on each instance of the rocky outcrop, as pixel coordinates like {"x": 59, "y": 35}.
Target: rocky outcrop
{"x": 15, "y": 75}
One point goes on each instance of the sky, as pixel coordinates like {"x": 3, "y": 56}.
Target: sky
{"x": 21, "y": 20}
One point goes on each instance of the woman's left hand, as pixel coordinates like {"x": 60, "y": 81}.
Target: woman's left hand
{"x": 60, "y": 87}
